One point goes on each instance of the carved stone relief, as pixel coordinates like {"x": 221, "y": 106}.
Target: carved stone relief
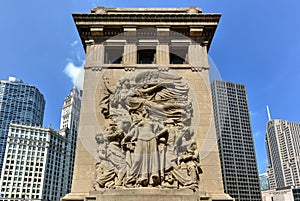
{"x": 148, "y": 140}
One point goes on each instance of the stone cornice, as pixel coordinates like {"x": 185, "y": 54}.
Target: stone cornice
{"x": 91, "y": 26}
{"x": 191, "y": 9}
{"x": 98, "y": 19}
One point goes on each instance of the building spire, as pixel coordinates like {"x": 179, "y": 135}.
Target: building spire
{"x": 269, "y": 115}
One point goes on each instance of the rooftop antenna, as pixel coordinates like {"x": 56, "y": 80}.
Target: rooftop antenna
{"x": 269, "y": 115}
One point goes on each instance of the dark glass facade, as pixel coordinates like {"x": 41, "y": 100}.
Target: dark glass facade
{"x": 235, "y": 141}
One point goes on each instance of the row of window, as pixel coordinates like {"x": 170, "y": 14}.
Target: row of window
{"x": 11, "y": 145}
{"x": 24, "y": 133}
{"x": 17, "y": 195}
{"x": 25, "y": 179}
{"x": 114, "y": 55}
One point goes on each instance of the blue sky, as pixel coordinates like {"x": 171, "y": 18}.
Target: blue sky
{"x": 257, "y": 44}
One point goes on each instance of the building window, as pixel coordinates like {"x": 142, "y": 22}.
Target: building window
{"x": 146, "y": 56}
{"x": 178, "y": 55}
{"x": 113, "y": 54}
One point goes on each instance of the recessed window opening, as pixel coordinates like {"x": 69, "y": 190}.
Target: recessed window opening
{"x": 113, "y": 54}
{"x": 146, "y": 56}
{"x": 178, "y": 55}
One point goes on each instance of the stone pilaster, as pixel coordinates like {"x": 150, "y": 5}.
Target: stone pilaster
{"x": 205, "y": 55}
{"x": 130, "y": 54}
{"x": 197, "y": 56}
{"x": 162, "y": 55}
{"x": 94, "y": 55}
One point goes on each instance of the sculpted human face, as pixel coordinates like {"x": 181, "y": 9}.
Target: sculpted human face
{"x": 99, "y": 138}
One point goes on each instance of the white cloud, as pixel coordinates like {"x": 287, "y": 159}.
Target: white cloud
{"x": 252, "y": 113}
{"x": 76, "y": 73}
{"x": 258, "y": 134}
{"x": 77, "y": 51}
{"x": 75, "y": 42}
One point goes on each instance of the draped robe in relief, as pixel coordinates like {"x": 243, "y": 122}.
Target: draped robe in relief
{"x": 145, "y": 159}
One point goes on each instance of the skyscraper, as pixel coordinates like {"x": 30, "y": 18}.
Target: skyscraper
{"x": 69, "y": 120}
{"x": 283, "y": 149}
{"x": 235, "y": 141}
{"x": 39, "y": 161}
{"x": 34, "y": 166}
{"x": 19, "y": 103}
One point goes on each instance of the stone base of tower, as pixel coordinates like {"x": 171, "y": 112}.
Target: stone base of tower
{"x": 146, "y": 194}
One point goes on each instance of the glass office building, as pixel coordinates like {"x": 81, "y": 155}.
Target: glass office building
{"x": 235, "y": 141}
{"x": 20, "y": 103}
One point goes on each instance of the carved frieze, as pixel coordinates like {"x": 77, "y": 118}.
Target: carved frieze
{"x": 147, "y": 140}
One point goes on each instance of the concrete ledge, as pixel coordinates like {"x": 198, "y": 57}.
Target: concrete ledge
{"x": 74, "y": 197}
{"x": 146, "y": 194}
